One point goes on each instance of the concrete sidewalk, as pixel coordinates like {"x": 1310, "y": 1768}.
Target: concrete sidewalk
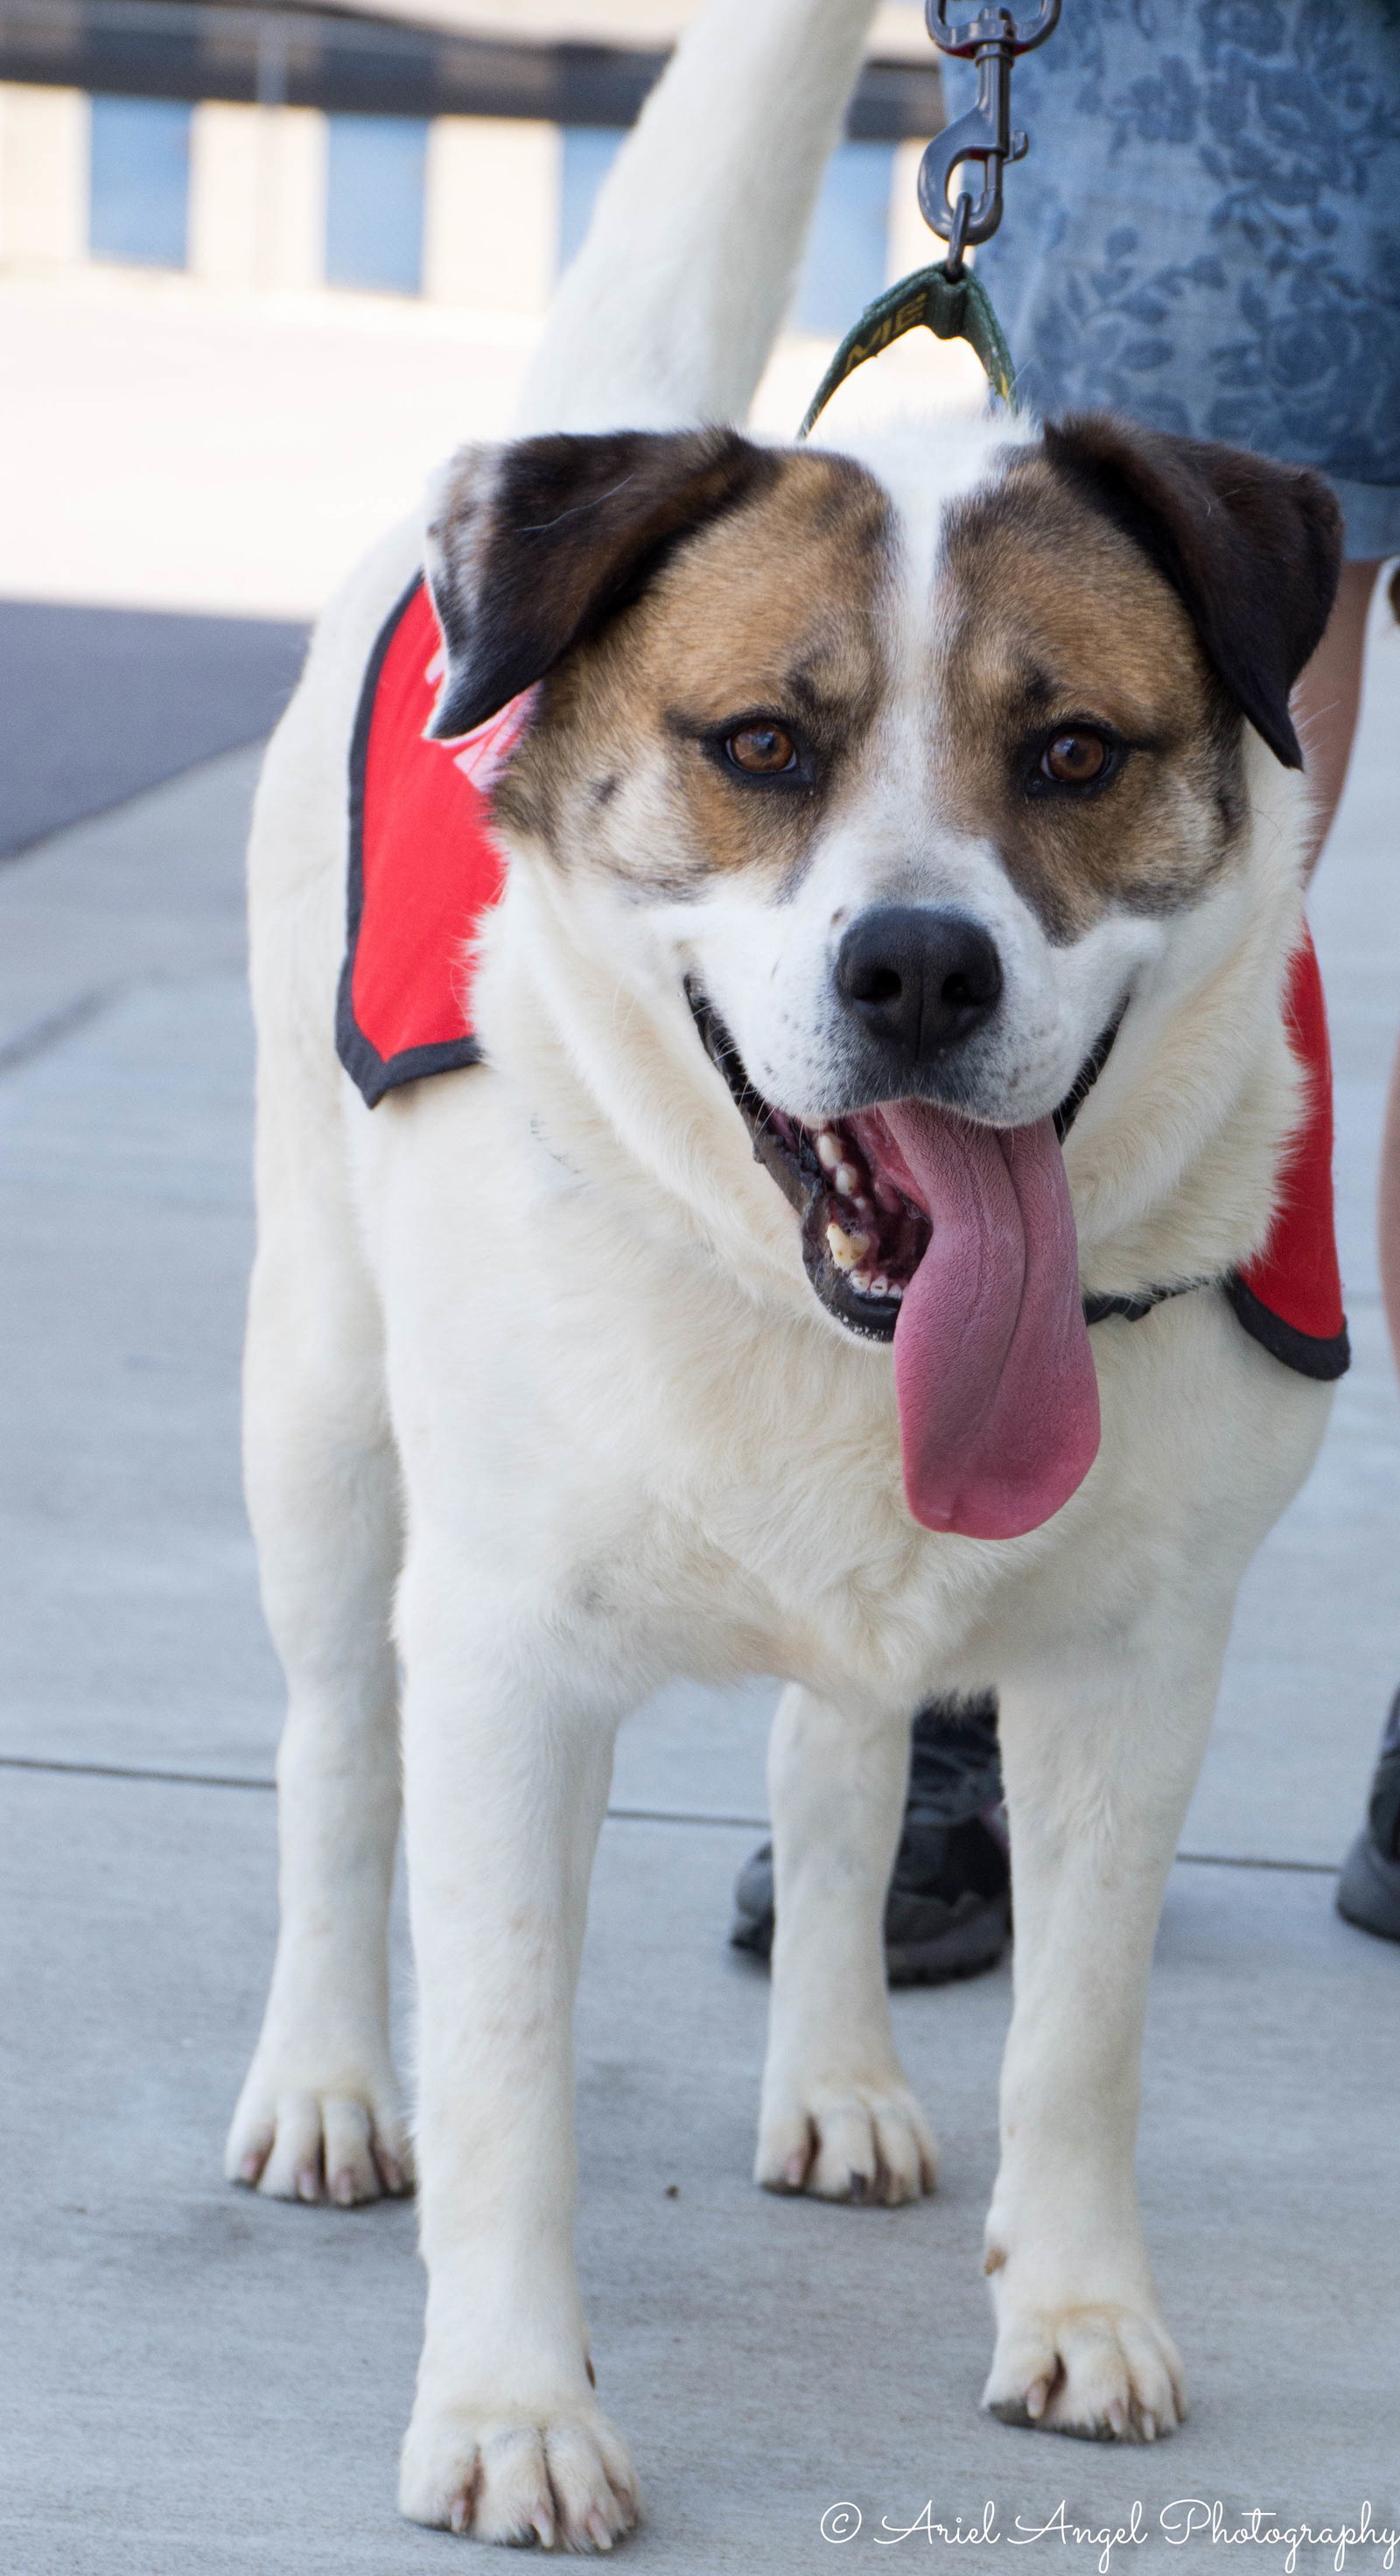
{"x": 196, "y": 2381}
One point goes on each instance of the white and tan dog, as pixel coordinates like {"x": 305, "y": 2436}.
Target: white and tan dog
{"x": 867, "y": 800}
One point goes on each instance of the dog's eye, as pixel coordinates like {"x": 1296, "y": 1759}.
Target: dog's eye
{"x": 764, "y": 750}
{"x": 1074, "y": 759}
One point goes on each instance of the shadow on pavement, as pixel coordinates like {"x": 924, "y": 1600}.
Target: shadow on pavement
{"x": 98, "y": 703}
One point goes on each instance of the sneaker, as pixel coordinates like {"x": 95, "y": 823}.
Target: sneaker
{"x": 1369, "y": 1890}
{"x": 948, "y": 1913}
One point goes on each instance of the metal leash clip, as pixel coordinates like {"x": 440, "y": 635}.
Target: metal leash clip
{"x": 949, "y": 300}
{"x": 992, "y": 40}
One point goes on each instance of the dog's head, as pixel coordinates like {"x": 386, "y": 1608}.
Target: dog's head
{"x": 915, "y": 776}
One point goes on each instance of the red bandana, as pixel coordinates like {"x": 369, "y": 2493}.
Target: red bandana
{"x": 424, "y": 867}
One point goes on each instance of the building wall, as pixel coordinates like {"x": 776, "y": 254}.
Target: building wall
{"x": 44, "y": 156}
{"x": 475, "y": 212}
{"x": 491, "y": 221}
{"x": 257, "y": 196}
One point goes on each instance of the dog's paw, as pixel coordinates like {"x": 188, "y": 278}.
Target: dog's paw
{"x": 1102, "y": 2374}
{"x": 346, "y": 2143}
{"x": 558, "y": 2482}
{"x": 867, "y": 2144}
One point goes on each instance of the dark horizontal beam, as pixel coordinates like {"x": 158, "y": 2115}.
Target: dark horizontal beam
{"x": 320, "y": 58}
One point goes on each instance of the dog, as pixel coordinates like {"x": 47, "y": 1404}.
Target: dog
{"x": 884, "y": 1062}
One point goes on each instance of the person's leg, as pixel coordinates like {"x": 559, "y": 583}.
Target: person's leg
{"x": 1328, "y": 696}
{"x": 1368, "y": 1891}
{"x": 1388, "y": 1210}
{"x": 1326, "y": 704}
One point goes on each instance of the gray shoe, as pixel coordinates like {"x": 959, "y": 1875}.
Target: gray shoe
{"x": 948, "y": 1913}
{"x": 1369, "y": 1890}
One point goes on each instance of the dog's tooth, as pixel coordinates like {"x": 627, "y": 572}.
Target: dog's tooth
{"x": 847, "y": 1179}
{"x": 829, "y": 1152}
{"x": 895, "y": 1289}
{"x": 879, "y": 1285}
{"x": 846, "y": 1249}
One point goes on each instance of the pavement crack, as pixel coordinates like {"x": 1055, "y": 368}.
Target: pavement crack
{"x": 136, "y": 1771}
{"x": 615, "y": 1815}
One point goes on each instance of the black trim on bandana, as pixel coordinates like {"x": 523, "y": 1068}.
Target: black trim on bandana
{"x": 1323, "y": 1358}
{"x": 372, "y": 1073}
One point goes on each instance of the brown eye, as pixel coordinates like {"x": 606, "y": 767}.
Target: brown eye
{"x": 763, "y": 750}
{"x": 1074, "y": 759}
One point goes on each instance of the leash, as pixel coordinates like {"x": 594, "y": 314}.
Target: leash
{"x": 947, "y": 299}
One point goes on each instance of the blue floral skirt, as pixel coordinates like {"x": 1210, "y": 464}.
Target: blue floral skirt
{"x": 1206, "y": 233}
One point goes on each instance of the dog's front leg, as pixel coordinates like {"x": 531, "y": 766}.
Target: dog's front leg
{"x": 838, "y": 2118}
{"x": 1100, "y": 1753}
{"x": 319, "y": 2113}
{"x": 507, "y": 1754}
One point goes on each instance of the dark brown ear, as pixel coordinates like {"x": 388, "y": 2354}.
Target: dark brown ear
{"x": 534, "y": 545}
{"x": 1254, "y": 548}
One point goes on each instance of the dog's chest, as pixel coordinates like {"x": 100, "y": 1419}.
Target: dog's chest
{"x": 725, "y": 1480}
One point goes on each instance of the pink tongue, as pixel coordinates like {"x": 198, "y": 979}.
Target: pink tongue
{"x": 998, "y": 1401}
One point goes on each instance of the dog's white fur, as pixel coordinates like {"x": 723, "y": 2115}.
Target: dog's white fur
{"x": 537, "y": 1392}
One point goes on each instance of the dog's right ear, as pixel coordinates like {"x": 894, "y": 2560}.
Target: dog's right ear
{"x": 533, "y": 546}
{"x": 1252, "y": 548}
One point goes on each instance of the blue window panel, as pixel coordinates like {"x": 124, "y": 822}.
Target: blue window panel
{"x": 848, "y": 252}
{"x": 375, "y": 168}
{"x": 139, "y": 181}
{"x": 589, "y": 153}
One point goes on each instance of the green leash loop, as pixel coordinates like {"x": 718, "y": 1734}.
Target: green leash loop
{"x": 952, "y": 309}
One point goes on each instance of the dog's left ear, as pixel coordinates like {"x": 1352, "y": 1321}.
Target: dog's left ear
{"x": 533, "y": 546}
{"x": 1253, "y": 548}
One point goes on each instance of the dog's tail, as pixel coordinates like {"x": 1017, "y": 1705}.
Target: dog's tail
{"x": 666, "y": 318}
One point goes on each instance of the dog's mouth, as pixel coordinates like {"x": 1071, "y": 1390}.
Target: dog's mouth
{"x": 956, "y": 1242}
{"x": 863, "y": 1237}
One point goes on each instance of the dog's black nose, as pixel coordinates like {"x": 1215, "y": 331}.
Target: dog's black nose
{"x": 922, "y": 978}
